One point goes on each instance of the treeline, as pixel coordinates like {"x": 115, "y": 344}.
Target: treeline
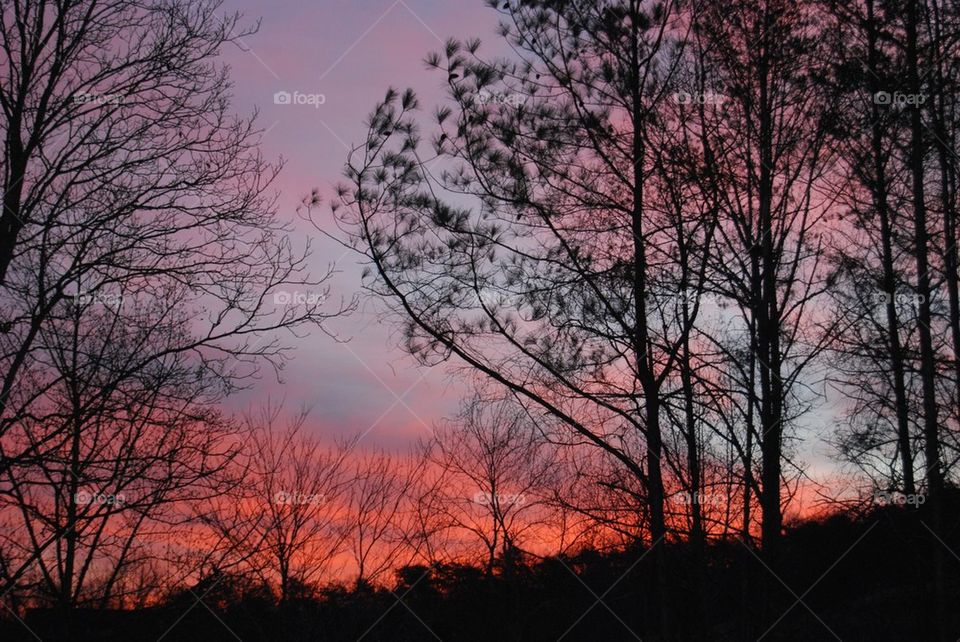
{"x": 144, "y": 276}
{"x": 671, "y": 230}
{"x": 876, "y": 591}
{"x": 657, "y": 236}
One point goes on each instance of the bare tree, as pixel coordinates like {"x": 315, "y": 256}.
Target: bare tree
{"x": 903, "y": 362}
{"x": 140, "y": 257}
{"x": 377, "y": 513}
{"x": 497, "y": 475}
{"x": 288, "y": 522}
{"x": 773, "y": 195}
{"x": 871, "y": 291}
{"x": 96, "y": 510}
{"x": 126, "y": 176}
{"x": 129, "y": 439}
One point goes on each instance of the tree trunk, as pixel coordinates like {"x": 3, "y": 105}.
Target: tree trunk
{"x": 927, "y": 357}
{"x": 768, "y": 327}
{"x": 697, "y": 535}
{"x": 879, "y": 190}
{"x": 646, "y": 376}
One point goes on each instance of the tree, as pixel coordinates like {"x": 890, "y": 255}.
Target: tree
{"x": 140, "y": 253}
{"x": 872, "y": 279}
{"x": 126, "y": 176}
{"x": 904, "y": 162}
{"x": 140, "y": 250}
{"x": 774, "y": 194}
{"x": 496, "y": 475}
{"x": 287, "y": 523}
{"x": 537, "y": 256}
{"x": 95, "y": 513}
{"x": 378, "y": 507}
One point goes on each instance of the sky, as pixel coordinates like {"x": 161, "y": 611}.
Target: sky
{"x": 341, "y": 56}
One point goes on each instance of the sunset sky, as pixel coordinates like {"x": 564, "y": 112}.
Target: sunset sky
{"x": 686, "y": 273}
{"x": 351, "y": 52}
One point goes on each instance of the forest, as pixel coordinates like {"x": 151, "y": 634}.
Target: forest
{"x": 693, "y": 263}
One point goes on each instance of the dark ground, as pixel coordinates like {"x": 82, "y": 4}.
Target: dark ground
{"x": 853, "y": 579}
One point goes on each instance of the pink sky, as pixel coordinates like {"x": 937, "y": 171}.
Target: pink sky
{"x": 350, "y": 51}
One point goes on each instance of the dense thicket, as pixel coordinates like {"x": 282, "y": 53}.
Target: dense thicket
{"x": 866, "y": 575}
{"x": 677, "y": 248}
